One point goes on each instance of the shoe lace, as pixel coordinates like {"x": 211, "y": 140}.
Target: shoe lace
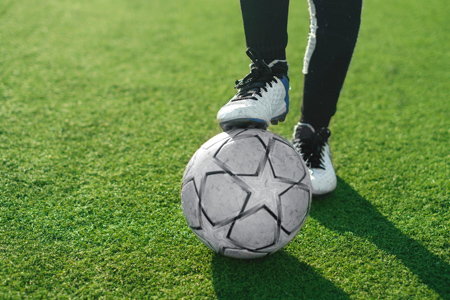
{"x": 311, "y": 148}
{"x": 260, "y": 75}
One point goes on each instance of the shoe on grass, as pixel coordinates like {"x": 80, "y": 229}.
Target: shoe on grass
{"x": 313, "y": 147}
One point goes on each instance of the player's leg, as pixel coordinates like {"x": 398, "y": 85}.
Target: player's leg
{"x": 333, "y": 34}
{"x": 262, "y": 95}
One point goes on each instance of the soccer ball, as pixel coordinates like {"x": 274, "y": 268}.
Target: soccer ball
{"x": 246, "y": 193}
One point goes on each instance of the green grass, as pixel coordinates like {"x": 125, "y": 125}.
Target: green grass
{"x": 102, "y": 104}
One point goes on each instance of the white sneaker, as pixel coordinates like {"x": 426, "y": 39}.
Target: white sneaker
{"x": 316, "y": 153}
{"x": 262, "y": 96}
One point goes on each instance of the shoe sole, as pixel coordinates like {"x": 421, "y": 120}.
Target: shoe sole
{"x": 278, "y": 119}
{"x": 251, "y": 123}
{"x": 243, "y": 123}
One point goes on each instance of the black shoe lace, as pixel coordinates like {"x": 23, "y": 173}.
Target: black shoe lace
{"x": 311, "y": 148}
{"x": 259, "y": 76}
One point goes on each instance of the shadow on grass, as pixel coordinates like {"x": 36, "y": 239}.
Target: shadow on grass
{"x": 279, "y": 276}
{"x": 347, "y": 211}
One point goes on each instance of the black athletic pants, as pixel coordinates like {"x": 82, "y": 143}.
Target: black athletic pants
{"x": 334, "y": 26}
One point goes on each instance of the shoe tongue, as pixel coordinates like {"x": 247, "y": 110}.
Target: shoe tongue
{"x": 259, "y": 75}
{"x": 305, "y": 131}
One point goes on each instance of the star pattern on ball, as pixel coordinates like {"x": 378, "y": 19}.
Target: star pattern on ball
{"x": 264, "y": 187}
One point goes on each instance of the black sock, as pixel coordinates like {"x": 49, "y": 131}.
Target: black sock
{"x": 265, "y": 26}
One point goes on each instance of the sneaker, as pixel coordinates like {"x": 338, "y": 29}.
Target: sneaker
{"x": 262, "y": 96}
{"x": 315, "y": 151}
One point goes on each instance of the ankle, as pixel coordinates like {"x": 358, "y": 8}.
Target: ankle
{"x": 279, "y": 68}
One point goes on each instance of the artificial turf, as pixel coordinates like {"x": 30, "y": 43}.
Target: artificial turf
{"x": 102, "y": 104}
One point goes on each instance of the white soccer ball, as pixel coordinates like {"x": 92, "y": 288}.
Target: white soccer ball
{"x": 246, "y": 193}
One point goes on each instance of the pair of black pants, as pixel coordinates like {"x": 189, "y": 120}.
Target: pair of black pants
{"x": 334, "y": 27}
